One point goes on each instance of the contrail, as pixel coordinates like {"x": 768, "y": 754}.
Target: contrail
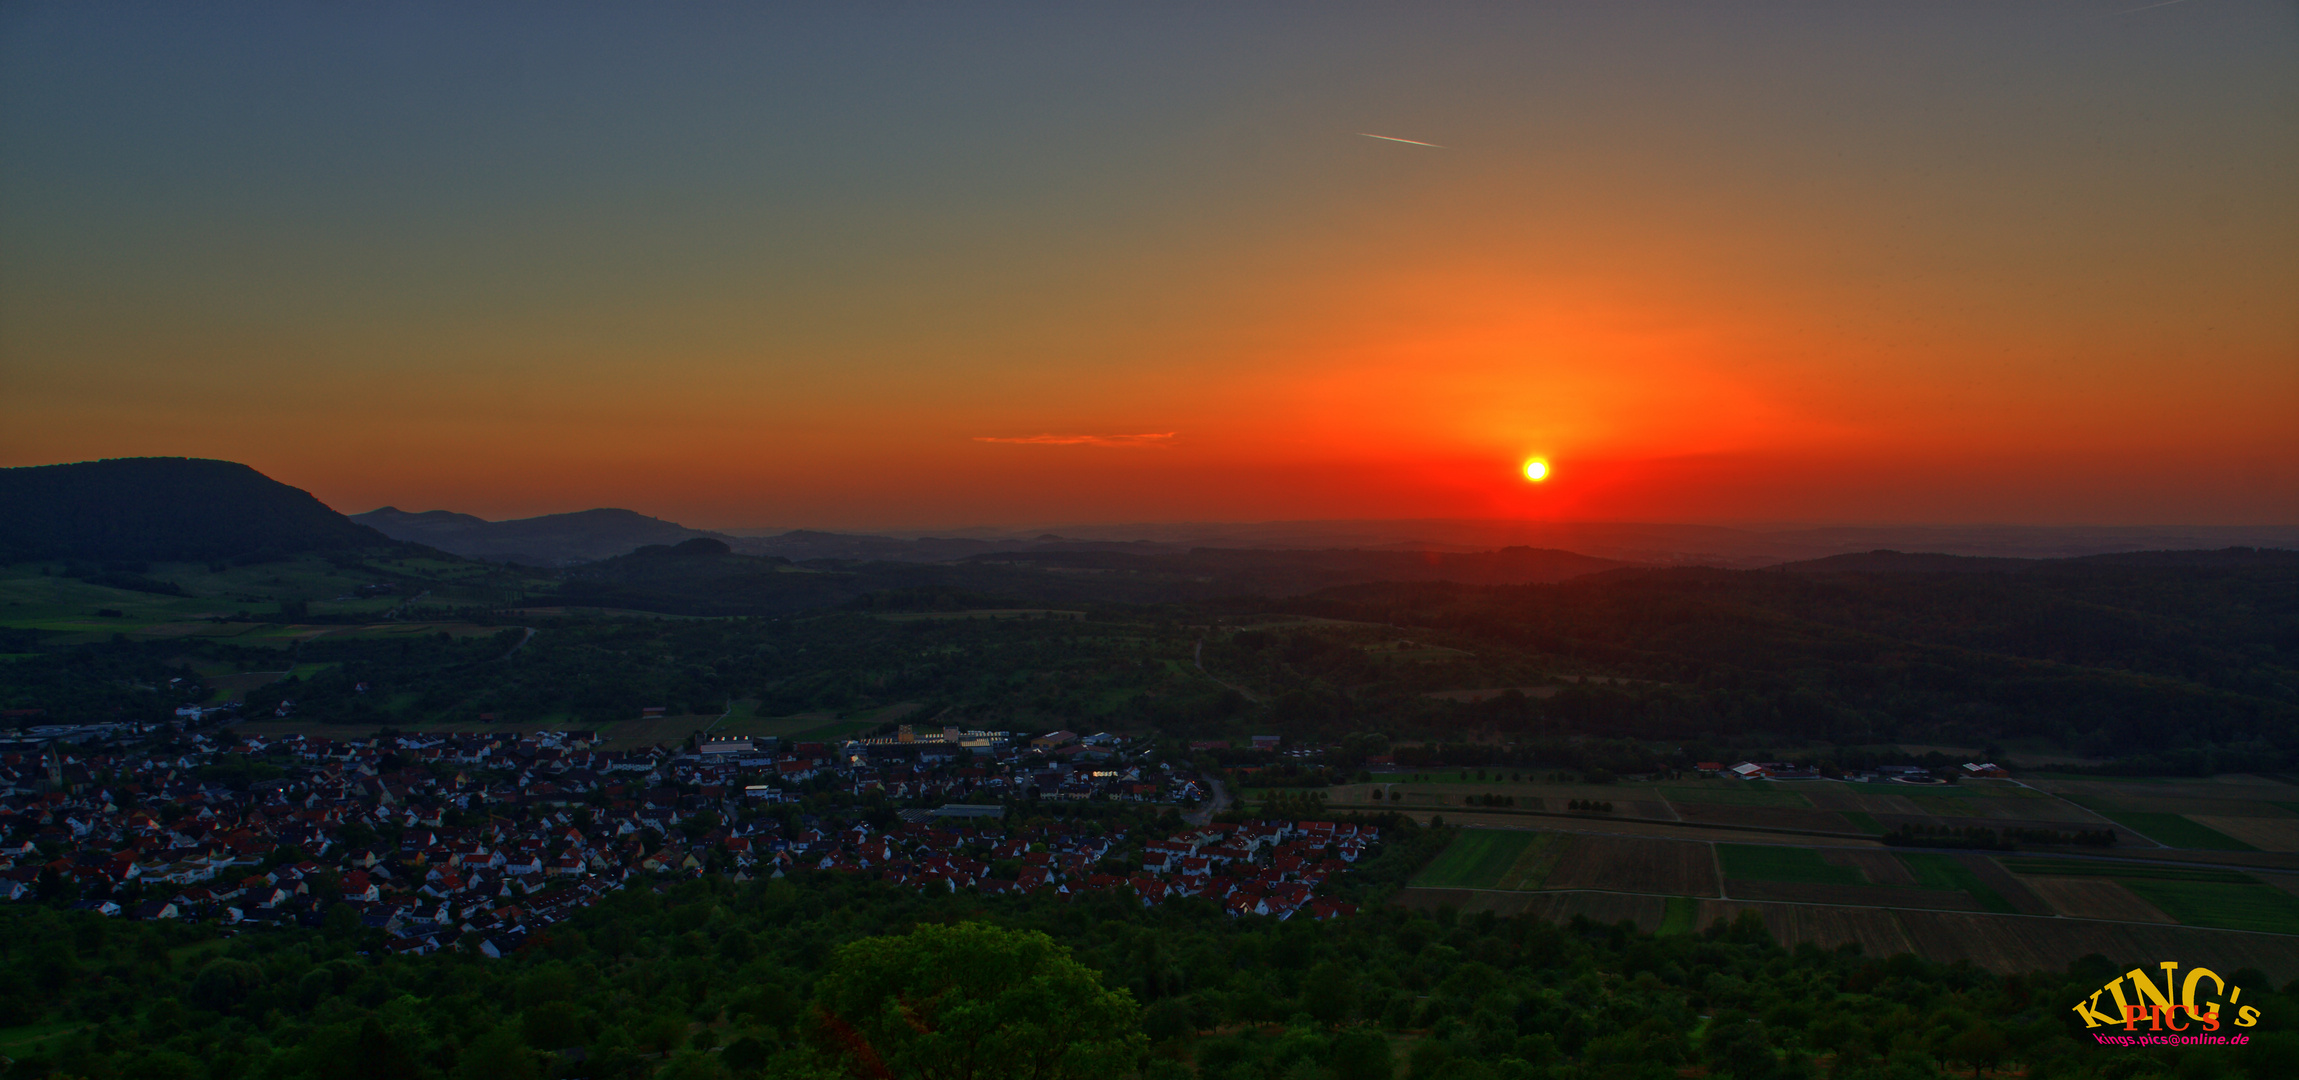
{"x": 2143, "y": 7}
{"x": 1417, "y": 142}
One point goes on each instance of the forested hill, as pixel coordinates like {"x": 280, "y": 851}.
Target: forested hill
{"x": 2148, "y": 653}
{"x": 163, "y": 509}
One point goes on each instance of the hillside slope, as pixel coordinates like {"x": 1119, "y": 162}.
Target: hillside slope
{"x": 163, "y": 509}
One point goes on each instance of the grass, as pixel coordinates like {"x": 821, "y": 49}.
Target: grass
{"x": 1475, "y": 859}
{"x": 1936, "y": 871}
{"x": 1765, "y": 862}
{"x": 1737, "y": 793}
{"x": 1683, "y": 913}
{"x": 2173, "y": 830}
{"x": 2262, "y": 908}
{"x": 1533, "y": 866}
{"x": 1863, "y": 821}
{"x": 2074, "y": 868}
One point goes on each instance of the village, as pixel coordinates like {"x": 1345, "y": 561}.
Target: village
{"x": 484, "y": 840}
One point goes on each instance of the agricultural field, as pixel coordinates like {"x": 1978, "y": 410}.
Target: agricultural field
{"x": 1735, "y": 793}
{"x": 1681, "y": 916}
{"x": 1761, "y": 862}
{"x": 1537, "y": 861}
{"x": 2262, "y": 833}
{"x": 1768, "y": 817}
{"x": 1878, "y": 866}
{"x": 2175, "y": 830}
{"x": 2095, "y": 898}
{"x": 2228, "y": 906}
{"x": 1636, "y": 864}
{"x": 1935, "y": 870}
{"x": 1476, "y": 859}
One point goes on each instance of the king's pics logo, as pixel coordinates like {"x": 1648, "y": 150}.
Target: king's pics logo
{"x": 2179, "y": 1005}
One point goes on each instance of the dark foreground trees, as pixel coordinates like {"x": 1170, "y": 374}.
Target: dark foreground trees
{"x": 839, "y": 977}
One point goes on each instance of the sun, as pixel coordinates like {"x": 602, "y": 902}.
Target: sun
{"x": 1536, "y": 470}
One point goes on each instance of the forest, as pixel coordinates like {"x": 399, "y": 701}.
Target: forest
{"x": 822, "y": 976}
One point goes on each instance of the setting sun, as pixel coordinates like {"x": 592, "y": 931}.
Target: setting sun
{"x": 1536, "y": 470}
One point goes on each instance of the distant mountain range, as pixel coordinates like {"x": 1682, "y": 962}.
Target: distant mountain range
{"x": 552, "y": 540}
{"x": 560, "y": 540}
{"x": 166, "y": 509}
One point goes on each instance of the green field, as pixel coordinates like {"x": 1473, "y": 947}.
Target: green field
{"x": 1765, "y": 862}
{"x": 1476, "y": 859}
{"x": 1863, "y": 821}
{"x": 1936, "y": 871}
{"x": 2172, "y": 830}
{"x": 2075, "y": 868}
{"x": 1683, "y": 911}
{"x": 1738, "y": 793}
{"x": 2263, "y": 908}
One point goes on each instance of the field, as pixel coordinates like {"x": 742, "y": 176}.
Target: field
{"x": 2003, "y": 912}
{"x": 1877, "y": 896}
{"x": 1760, "y": 862}
{"x": 2261, "y": 908}
{"x": 1634, "y": 864}
{"x": 1682, "y": 917}
{"x": 1875, "y": 865}
{"x": 2105, "y": 868}
{"x": 2173, "y": 830}
{"x": 2262, "y": 833}
{"x": 1475, "y": 859}
{"x": 1936, "y": 871}
{"x": 1767, "y": 817}
{"x": 2095, "y": 898}
{"x": 1737, "y": 793}
{"x": 1535, "y": 863}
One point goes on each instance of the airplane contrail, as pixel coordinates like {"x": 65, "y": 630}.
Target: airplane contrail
{"x": 2144, "y": 7}
{"x": 1392, "y": 138}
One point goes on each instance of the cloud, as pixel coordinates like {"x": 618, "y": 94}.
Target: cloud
{"x": 1153, "y": 439}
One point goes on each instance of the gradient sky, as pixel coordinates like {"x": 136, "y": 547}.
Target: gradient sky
{"x": 884, "y": 265}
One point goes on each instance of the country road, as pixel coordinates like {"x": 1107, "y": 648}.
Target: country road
{"x": 1218, "y": 803}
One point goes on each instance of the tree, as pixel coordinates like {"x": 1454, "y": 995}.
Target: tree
{"x": 1362, "y": 1054}
{"x": 497, "y": 1055}
{"x": 972, "y": 1000}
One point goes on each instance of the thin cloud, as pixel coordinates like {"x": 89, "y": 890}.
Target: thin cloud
{"x": 1393, "y": 138}
{"x": 1151, "y": 439}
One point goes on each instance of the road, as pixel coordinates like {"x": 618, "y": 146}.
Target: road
{"x": 1215, "y": 805}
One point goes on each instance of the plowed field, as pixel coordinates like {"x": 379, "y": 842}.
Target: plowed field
{"x": 1634, "y": 864}
{"x": 2264, "y": 833}
{"x": 1879, "y": 867}
{"x": 1806, "y": 892}
{"x": 2094, "y": 898}
{"x": 1769, "y": 817}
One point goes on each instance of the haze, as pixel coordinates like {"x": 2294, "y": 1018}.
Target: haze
{"x": 906, "y": 265}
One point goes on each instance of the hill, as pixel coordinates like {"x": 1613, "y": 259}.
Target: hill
{"x": 549, "y": 540}
{"x": 164, "y": 509}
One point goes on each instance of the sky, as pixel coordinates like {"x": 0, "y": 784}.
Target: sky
{"x": 916, "y": 265}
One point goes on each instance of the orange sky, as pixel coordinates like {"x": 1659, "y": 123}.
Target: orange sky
{"x": 1913, "y": 263}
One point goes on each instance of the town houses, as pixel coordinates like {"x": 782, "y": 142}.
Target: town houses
{"x": 483, "y": 840}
